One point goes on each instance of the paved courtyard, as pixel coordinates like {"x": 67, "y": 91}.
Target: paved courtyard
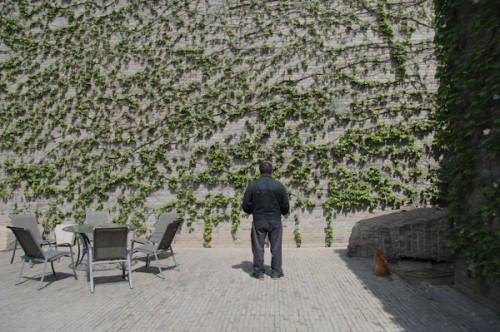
{"x": 323, "y": 291}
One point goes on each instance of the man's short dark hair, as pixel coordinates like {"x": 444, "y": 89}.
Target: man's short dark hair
{"x": 265, "y": 167}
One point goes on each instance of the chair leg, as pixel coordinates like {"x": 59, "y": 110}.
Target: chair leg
{"x": 52, "y": 265}
{"x": 91, "y": 272}
{"x": 20, "y": 272}
{"x": 84, "y": 252}
{"x": 159, "y": 267}
{"x": 173, "y": 257}
{"x": 13, "y": 252}
{"x": 129, "y": 265}
{"x": 87, "y": 273}
{"x": 90, "y": 268}
{"x": 43, "y": 275}
{"x": 73, "y": 262}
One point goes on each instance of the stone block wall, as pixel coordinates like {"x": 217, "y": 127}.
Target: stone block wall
{"x": 418, "y": 234}
{"x": 7, "y": 238}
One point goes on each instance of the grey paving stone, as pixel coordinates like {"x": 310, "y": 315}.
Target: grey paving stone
{"x": 324, "y": 290}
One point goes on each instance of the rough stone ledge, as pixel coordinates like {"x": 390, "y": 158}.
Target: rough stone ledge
{"x": 418, "y": 234}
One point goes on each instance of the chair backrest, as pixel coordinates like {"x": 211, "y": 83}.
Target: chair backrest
{"x": 27, "y": 221}
{"x": 97, "y": 218}
{"x": 169, "y": 235}
{"x": 164, "y": 220}
{"x": 61, "y": 236}
{"x": 29, "y": 243}
{"x": 110, "y": 243}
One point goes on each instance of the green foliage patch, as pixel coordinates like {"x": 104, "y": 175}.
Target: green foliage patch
{"x": 468, "y": 118}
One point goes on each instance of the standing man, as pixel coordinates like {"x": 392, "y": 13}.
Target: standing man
{"x": 267, "y": 199}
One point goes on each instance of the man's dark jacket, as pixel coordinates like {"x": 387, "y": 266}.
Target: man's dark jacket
{"x": 266, "y": 198}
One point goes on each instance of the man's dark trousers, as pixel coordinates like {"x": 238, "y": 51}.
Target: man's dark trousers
{"x": 274, "y": 229}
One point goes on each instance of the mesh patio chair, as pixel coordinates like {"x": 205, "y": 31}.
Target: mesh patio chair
{"x": 35, "y": 254}
{"x": 28, "y": 221}
{"x": 164, "y": 220}
{"x": 163, "y": 245}
{"x": 109, "y": 246}
{"x": 94, "y": 218}
{"x": 65, "y": 239}
{"x": 97, "y": 218}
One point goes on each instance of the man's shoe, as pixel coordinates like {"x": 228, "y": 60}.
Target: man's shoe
{"x": 259, "y": 276}
{"x": 277, "y": 275}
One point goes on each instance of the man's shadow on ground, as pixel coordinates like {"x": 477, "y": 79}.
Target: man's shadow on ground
{"x": 247, "y": 267}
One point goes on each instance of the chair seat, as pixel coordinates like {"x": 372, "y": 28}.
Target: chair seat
{"x": 55, "y": 254}
{"x": 146, "y": 249}
{"x": 141, "y": 240}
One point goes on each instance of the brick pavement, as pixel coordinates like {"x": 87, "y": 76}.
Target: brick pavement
{"x": 323, "y": 291}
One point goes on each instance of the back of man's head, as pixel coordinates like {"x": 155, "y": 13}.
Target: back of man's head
{"x": 265, "y": 167}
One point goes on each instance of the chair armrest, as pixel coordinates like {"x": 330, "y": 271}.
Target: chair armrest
{"x": 141, "y": 240}
{"x": 48, "y": 238}
{"x": 63, "y": 244}
{"x": 138, "y": 240}
{"x": 50, "y": 243}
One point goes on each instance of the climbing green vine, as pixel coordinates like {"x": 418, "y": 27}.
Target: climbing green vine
{"x": 467, "y": 49}
{"x": 136, "y": 107}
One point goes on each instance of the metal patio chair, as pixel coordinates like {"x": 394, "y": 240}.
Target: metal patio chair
{"x": 97, "y": 218}
{"x": 28, "y": 221}
{"x": 34, "y": 254}
{"x": 109, "y": 246}
{"x": 65, "y": 239}
{"x": 94, "y": 218}
{"x": 160, "y": 242}
{"x": 163, "y": 221}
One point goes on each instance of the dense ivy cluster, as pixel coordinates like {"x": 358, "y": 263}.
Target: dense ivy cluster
{"x": 468, "y": 50}
{"x": 118, "y": 105}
